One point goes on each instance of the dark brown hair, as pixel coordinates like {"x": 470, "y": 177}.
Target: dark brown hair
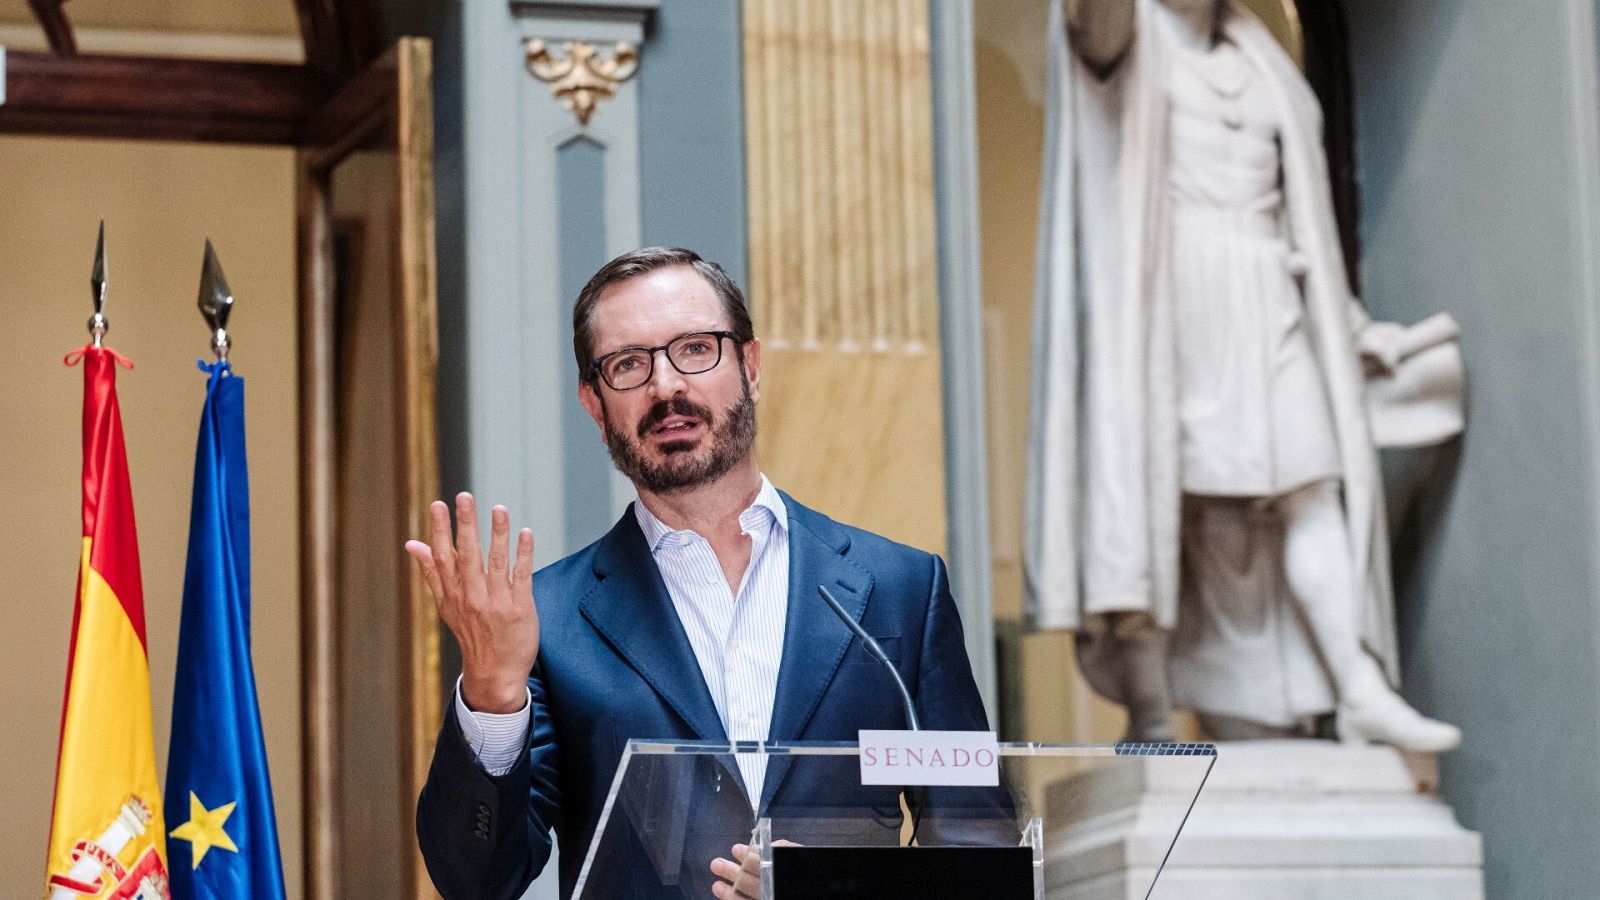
{"x": 649, "y": 259}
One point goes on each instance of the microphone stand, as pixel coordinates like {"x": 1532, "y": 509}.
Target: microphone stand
{"x": 876, "y": 652}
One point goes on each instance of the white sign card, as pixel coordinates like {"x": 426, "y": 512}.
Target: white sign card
{"x": 963, "y": 758}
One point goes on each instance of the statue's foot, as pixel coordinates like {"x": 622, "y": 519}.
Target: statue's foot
{"x": 1380, "y": 715}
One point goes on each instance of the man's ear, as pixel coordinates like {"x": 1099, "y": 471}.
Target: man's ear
{"x": 752, "y": 367}
{"x": 592, "y": 405}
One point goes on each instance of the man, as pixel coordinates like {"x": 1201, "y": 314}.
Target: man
{"x": 1198, "y": 384}
{"x": 696, "y": 617}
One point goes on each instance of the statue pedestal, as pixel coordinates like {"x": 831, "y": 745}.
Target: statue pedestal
{"x": 1277, "y": 819}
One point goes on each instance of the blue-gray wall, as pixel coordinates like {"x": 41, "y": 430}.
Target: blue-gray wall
{"x": 530, "y": 204}
{"x": 688, "y": 190}
{"x": 1478, "y": 159}
{"x": 691, "y": 120}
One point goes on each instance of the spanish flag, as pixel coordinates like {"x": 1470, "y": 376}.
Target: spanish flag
{"x": 106, "y": 830}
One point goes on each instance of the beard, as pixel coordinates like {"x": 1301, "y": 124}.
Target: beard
{"x": 731, "y": 436}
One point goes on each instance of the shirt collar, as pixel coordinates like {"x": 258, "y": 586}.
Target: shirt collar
{"x": 768, "y": 509}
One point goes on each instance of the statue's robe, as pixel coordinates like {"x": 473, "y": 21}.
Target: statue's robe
{"x": 1104, "y": 495}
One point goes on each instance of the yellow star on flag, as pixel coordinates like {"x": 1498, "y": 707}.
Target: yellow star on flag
{"x": 204, "y": 828}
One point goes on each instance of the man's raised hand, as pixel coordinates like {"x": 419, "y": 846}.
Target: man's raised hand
{"x": 489, "y": 610}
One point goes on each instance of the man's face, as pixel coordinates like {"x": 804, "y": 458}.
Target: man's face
{"x": 676, "y": 431}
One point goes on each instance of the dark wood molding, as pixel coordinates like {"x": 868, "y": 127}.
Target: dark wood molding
{"x": 341, "y": 36}
{"x": 388, "y": 106}
{"x": 57, "y": 27}
{"x": 318, "y": 34}
{"x": 164, "y": 98}
{"x": 350, "y": 114}
{"x": 158, "y": 98}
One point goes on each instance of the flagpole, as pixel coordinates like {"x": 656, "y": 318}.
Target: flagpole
{"x": 216, "y": 761}
{"x": 107, "y": 830}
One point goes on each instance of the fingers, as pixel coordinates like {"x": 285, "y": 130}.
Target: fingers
{"x": 423, "y": 554}
{"x": 730, "y": 887}
{"x": 447, "y": 563}
{"x": 741, "y": 880}
{"x": 499, "y": 542}
{"x": 522, "y": 573}
{"x": 443, "y": 551}
{"x": 750, "y": 870}
{"x": 469, "y": 552}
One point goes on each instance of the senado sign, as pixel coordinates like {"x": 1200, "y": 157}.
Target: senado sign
{"x": 970, "y": 758}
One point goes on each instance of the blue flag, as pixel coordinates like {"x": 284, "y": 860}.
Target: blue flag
{"x": 223, "y": 841}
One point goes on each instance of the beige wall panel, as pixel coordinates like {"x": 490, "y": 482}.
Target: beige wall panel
{"x": 160, "y": 202}
{"x": 261, "y": 17}
{"x": 843, "y": 281}
{"x": 838, "y": 126}
{"x": 852, "y": 434}
{"x": 1283, "y": 20}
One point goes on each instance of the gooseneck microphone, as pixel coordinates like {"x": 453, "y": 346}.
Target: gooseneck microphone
{"x": 876, "y": 652}
{"x": 916, "y": 798}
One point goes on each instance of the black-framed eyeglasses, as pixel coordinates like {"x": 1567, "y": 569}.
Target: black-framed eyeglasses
{"x": 632, "y": 367}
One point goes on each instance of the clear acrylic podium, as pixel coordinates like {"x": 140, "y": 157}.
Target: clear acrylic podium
{"x": 674, "y": 807}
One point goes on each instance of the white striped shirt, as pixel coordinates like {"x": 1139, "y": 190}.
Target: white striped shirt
{"x": 737, "y": 637}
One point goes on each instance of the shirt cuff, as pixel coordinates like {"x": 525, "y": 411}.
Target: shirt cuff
{"x": 495, "y": 739}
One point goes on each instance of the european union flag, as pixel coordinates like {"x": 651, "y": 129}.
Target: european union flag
{"x": 225, "y": 840}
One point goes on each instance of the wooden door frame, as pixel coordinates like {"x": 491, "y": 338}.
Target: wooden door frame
{"x": 393, "y": 94}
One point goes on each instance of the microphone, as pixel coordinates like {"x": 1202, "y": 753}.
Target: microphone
{"x": 876, "y": 652}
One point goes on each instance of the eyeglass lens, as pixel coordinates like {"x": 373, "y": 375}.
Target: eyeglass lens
{"x": 690, "y": 354}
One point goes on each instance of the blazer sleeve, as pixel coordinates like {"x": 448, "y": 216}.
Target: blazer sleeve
{"x": 487, "y": 836}
{"x": 947, "y": 699}
{"x": 946, "y": 693}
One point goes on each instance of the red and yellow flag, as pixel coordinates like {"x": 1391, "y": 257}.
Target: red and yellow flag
{"x": 107, "y": 835}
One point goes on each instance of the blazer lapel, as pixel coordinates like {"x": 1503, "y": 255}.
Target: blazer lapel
{"x": 814, "y": 639}
{"x": 630, "y": 607}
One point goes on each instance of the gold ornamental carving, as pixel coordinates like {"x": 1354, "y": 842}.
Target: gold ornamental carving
{"x": 583, "y": 78}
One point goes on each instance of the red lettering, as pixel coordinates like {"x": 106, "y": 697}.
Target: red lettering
{"x": 960, "y": 757}
{"x": 872, "y": 756}
{"x": 891, "y": 757}
{"x": 913, "y": 757}
{"x": 101, "y": 855}
{"x": 985, "y": 759}
{"x": 937, "y": 760}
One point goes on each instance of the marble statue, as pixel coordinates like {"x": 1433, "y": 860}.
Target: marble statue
{"x": 1205, "y": 504}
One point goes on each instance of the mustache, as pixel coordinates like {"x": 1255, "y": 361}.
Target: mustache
{"x": 675, "y": 406}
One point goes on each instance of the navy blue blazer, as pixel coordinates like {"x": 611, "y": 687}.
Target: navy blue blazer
{"x": 614, "y": 663}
